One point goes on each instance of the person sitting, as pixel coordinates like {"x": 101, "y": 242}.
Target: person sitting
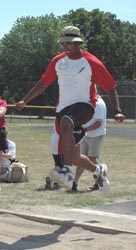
{"x": 12, "y": 170}
{"x": 7, "y": 157}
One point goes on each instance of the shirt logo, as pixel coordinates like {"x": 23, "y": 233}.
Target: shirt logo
{"x": 63, "y": 66}
{"x": 81, "y": 70}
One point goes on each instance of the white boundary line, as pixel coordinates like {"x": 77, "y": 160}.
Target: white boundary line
{"x": 100, "y": 213}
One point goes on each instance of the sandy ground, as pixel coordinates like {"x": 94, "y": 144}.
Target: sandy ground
{"x": 21, "y": 234}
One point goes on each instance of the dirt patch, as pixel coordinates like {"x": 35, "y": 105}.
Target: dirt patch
{"x": 21, "y": 234}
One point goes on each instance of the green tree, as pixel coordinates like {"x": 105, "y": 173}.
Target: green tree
{"x": 25, "y": 53}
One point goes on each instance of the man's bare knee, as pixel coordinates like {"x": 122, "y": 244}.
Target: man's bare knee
{"x": 66, "y": 123}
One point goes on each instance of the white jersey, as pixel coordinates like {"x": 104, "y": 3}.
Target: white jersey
{"x": 77, "y": 78}
{"x": 99, "y": 115}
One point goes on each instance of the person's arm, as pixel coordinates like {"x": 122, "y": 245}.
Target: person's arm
{"x": 5, "y": 155}
{"x": 95, "y": 125}
{"x": 113, "y": 96}
{"x": 35, "y": 91}
{"x": 2, "y": 111}
{"x": 104, "y": 79}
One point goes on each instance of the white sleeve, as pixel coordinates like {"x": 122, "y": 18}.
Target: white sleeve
{"x": 55, "y": 142}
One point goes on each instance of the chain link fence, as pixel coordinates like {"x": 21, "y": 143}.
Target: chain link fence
{"x": 127, "y": 97}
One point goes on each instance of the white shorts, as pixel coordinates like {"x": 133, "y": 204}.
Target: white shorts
{"x": 92, "y": 146}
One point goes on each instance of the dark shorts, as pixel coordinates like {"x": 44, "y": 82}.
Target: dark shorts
{"x": 80, "y": 113}
{"x": 3, "y": 139}
{"x": 79, "y": 134}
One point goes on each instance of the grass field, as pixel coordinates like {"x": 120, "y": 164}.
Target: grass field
{"x": 33, "y": 149}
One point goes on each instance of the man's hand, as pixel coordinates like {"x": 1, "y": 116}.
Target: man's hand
{"x": 119, "y": 117}
{"x": 20, "y": 105}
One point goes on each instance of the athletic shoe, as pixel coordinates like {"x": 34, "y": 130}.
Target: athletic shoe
{"x": 64, "y": 178}
{"x": 102, "y": 181}
{"x": 95, "y": 187}
{"x": 74, "y": 187}
{"x": 47, "y": 183}
{"x": 51, "y": 185}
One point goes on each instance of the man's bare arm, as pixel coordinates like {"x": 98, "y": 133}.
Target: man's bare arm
{"x": 113, "y": 96}
{"x": 35, "y": 91}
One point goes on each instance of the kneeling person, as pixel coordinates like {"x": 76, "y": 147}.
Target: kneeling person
{"x": 10, "y": 169}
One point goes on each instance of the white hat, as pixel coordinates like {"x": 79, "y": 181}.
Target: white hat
{"x": 70, "y": 34}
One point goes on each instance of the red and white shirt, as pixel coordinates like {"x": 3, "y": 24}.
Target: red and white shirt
{"x": 3, "y": 105}
{"x": 77, "y": 78}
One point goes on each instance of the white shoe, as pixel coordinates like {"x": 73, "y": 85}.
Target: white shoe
{"x": 64, "y": 178}
{"x": 102, "y": 181}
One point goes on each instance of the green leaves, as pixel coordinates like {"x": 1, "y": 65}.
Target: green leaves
{"x": 25, "y": 53}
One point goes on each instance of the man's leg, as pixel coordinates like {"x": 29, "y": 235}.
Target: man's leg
{"x": 76, "y": 115}
{"x": 83, "y": 161}
{"x": 65, "y": 176}
{"x": 68, "y": 140}
{"x": 79, "y": 171}
{"x": 100, "y": 171}
{"x": 59, "y": 163}
{"x": 68, "y": 146}
{"x": 91, "y": 147}
{"x": 70, "y": 118}
{"x": 56, "y": 148}
{"x": 94, "y": 151}
{"x": 77, "y": 176}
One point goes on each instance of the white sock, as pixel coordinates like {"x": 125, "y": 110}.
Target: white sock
{"x": 97, "y": 171}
